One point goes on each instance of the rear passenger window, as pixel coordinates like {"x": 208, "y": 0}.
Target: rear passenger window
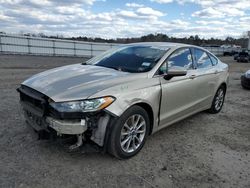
{"x": 181, "y": 58}
{"x": 213, "y": 59}
{"x": 201, "y": 58}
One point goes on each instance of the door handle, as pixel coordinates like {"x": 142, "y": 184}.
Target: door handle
{"x": 215, "y": 72}
{"x": 192, "y": 76}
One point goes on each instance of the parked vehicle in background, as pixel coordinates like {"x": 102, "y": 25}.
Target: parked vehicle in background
{"x": 245, "y": 80}
{"x": 236, "y": 56}
{"x": 230, "y": 50}
{"x": 243, "y": 57}
{"x": 119, "y": 98}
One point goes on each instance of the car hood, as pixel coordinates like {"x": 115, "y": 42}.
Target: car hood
{"x": 74, "y": 82}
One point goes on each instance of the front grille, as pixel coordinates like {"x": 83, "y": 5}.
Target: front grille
{"x": 33, "y": 101}
{"x": 33, "y": 118}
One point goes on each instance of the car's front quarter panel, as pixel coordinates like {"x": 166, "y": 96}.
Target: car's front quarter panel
{"x": 145, "y": 90}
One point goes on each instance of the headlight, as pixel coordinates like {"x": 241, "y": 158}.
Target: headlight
{"x": 89, "y": 105}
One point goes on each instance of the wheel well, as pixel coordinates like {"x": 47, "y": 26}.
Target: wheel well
{"x": 150, "y": 112}
{"x": 224, "y": 85}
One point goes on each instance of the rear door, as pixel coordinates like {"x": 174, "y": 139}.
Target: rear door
{"x": 206, "y": 75}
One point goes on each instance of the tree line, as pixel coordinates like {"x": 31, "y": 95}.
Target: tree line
{"x": 195, "y": 40}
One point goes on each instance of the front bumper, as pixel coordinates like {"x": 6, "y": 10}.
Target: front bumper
{"x": 47, "y": 121}
{"x": 71, "y": 127}
{"x": 67, "y": 127}
{"x": 48, "y": 127}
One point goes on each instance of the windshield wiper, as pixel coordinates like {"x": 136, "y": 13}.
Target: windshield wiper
{"x": 115, "y": 68}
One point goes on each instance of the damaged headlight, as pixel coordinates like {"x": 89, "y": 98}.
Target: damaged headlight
{"x": 89, "y": 105}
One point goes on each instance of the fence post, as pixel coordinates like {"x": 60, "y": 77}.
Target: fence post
{"x": 91, "y": 50}
{"x": 28, "y": 45}
{"x": 54, "y": 50}
{"x": 74, "y": 48}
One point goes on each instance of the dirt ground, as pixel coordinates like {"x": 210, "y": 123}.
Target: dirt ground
{"x": 201, "y": 151}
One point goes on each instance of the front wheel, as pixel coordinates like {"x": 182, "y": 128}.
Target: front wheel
{"x": 218, "y": 100}
{"x": 129, "y": 134}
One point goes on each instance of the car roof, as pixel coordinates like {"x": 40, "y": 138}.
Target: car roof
{"x": 160, "y": 44}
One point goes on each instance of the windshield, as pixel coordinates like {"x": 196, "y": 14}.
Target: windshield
{"x": 130, "y": 58}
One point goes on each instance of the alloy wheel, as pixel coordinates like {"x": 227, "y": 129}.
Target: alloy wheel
{"x": 219, "y": 99}
{"x": 133, "y": 133}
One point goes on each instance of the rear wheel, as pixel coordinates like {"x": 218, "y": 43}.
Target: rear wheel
{"x": 129, "y": 133}
{"x": 218, "y": 100}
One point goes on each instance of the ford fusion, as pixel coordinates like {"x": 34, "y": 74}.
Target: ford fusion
{"x": 119, "y": 98}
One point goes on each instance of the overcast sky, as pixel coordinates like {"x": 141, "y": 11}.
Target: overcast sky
{"x": 125, "y": 18}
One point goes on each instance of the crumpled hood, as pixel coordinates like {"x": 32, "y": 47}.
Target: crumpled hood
{"x": 74, "y": 82}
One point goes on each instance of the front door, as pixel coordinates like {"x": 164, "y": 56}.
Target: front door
{"x": 178, "y": 94}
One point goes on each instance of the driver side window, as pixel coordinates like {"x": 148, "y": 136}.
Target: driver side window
{"x": 180, "y": 58}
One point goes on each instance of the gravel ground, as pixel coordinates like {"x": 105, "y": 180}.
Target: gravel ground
{"x": 201, "y": 151}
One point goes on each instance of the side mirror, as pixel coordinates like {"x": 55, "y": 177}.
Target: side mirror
{"x": 175, "y": 71}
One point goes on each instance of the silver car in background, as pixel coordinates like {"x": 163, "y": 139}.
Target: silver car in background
{"x": 119, "y": 98}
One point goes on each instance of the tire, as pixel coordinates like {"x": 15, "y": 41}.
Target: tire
{"x": 131, "y": 142}
{"x": 218, "y": 100}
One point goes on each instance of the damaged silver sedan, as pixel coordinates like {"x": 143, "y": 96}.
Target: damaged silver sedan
{"x": 119, "y": 98}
